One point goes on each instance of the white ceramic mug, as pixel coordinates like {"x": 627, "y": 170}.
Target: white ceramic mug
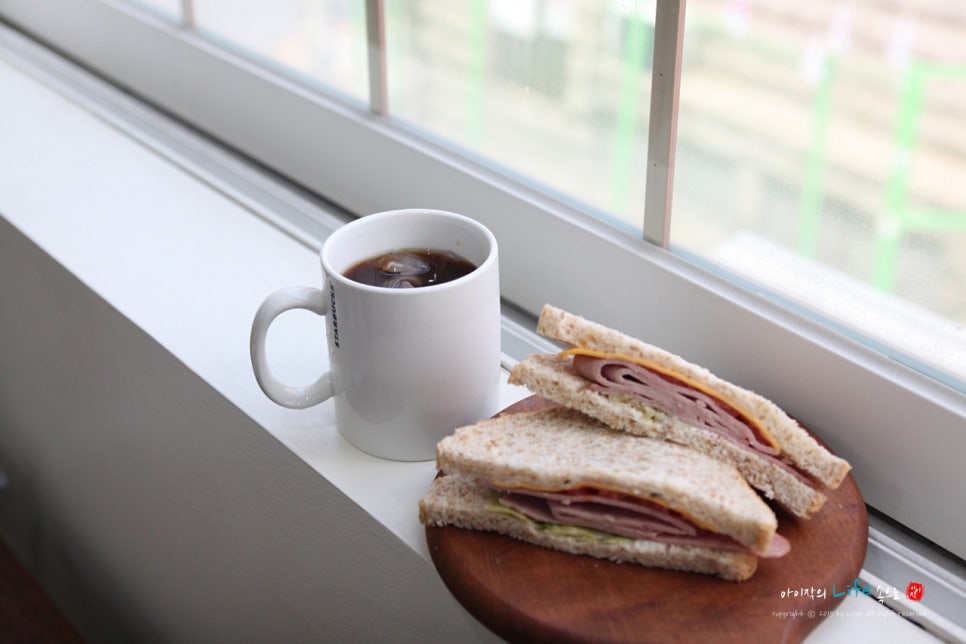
{"x": 406, "y": 366}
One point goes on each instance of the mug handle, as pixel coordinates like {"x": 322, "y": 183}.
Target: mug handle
{"x": 286, "y": 299}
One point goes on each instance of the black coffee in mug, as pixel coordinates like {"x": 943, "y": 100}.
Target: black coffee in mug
{"x": 410, "y": 268}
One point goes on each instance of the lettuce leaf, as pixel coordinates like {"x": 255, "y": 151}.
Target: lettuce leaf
{"x": 571, "y": 531}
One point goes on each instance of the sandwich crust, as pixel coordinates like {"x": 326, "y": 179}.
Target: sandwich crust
{"x": 794, "y": 441}
{"x": 458, "y": 501}
{"x": 560, "y": 448}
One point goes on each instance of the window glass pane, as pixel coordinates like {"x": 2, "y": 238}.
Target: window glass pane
{"x": 554, "y": 90}
{"x": 322, "y": 41}
{"x": 170, "y": 8}
{"x": 821, "y": 152}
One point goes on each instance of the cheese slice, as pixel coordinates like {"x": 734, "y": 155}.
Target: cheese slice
{"x": 757, "y": 427}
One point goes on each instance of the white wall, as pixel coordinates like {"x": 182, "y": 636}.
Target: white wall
{"x": 152, "y": 509}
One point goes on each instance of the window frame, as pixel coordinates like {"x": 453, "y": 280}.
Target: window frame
{"x": 902, "y": 430}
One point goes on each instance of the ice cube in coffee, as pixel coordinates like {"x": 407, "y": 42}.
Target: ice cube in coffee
{"x": 410, "y": 268}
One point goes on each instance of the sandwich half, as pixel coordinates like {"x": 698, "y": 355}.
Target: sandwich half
{"x": 641, "y": 389}
{"x": 559, "y": 479}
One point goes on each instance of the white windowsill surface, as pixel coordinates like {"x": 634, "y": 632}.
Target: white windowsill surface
{"x": 189, "y": 266}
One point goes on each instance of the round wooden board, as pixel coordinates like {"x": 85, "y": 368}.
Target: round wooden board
{"x": 529, "y": 594}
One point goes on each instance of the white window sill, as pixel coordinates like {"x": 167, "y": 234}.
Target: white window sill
{"x": 189, "y": 265}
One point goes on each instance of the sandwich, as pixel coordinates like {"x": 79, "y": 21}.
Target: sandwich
{"x": 559, "y": 479}
{"x": 641, "y": 389}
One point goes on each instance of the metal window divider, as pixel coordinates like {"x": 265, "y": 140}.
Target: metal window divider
{"x": 662, "y": 127}
{"x": 376, "y": 51}
{"x": 187, "y": 14}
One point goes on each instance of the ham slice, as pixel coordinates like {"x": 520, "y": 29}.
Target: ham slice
{"x": 621, "y": 515}
{"x": 675, "y": 398}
